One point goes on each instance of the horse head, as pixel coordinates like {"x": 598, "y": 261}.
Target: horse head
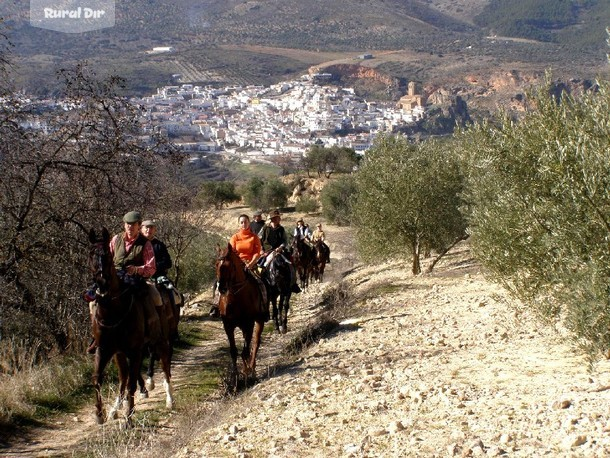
{"x": 100, "y": 260}
{"x": 226, "y": 268}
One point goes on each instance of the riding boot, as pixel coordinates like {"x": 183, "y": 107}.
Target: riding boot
{"x": 293, "y": 280}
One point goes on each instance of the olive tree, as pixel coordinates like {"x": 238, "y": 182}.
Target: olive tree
{"x": 408, "y": 200}
{"x": 217, "y": 193}
{"x": 539, "y": 208}
{"x": 338, "y": 199}
{"x": 265, "y": 194}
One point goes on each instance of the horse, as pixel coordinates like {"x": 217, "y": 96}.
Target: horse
{"x": 277, "y": 277}
{"x": 118, "y": 329}
{"x": 241, "y": 306}
{"x": 322, "y": 254}
{"x": 303, "y": 258}
{"x": 169, "y": 316}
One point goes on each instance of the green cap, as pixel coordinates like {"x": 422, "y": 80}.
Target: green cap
{"x": 132, "y": 217}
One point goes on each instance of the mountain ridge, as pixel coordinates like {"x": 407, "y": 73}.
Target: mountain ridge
{"x": 217, "y": 42}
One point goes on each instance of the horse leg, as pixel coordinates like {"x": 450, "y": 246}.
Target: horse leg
{"x": 121, "y": 363}
{"x": 246, "y": 353}
{"x": 284, "y": 307}
{"x": 101, "y": 359}
{"x": 164, "y": 350}
{"x": 150, "y": 372}
{"x": 255, "y": 340}
{"x": 276, "y": 317}
{"x": 230, "y": 332}
{"x": 135, "y": 365}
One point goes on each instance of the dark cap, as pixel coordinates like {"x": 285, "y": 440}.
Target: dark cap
{"x": 150, "y": 222}
{"x": 132, "y": 217}
{"x": 258, "y": 213}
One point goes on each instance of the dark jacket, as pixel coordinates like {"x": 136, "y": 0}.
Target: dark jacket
{"x": 272, "y": 238}
{"x": 162, "y": 258}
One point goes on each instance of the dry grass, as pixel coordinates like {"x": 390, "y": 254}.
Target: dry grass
{"x": 32, "y": 393}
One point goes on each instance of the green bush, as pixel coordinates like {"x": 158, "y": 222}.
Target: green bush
{"x": 307, "y": 204}
{"x": 217, "y": 194}
{"x": 338, "y": 199}
{"x": 539, "y": 209}
{"x": 265, "y": 194}
{"x": 198, "y": 264}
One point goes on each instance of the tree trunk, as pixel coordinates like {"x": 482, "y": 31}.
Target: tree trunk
{"x": 416, "y": 268}
{"x": 444, "y": 252}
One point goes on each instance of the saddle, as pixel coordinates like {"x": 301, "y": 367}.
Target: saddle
{"x": 261, "y": 284}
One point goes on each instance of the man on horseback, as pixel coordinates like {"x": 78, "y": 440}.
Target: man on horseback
{"x": 274, "y": 240}
{"x": 163, "y": 263}
{"x": 257, "y": 222}
{"x": 134, "y": 261}
{"x": 318, "y": 236}
{"x": 302, "y": 230}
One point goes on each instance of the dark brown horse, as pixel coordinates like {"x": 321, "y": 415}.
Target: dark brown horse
{"x": 304, "y": 260}
{"x": 118, "y": 327}
{"x": 279, "y": 287}
{"x": 169, "y": 316}
{"x": 241, "y": 306}
{"x": 322, "y": 255}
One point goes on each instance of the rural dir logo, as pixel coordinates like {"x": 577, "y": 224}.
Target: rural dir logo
{"x": 72, "y": 16}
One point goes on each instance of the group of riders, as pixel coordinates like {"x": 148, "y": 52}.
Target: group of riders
{"x": 142, "y": 260}
{"x": 257, "y": 243}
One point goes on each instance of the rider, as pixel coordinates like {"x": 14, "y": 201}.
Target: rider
{"x": 163, "y": 260}
{"x": 302, "y": 230}
{"x": 318, "y": 235}
{"x": 257, "y": 222}
{"x": 248, "y": 247}
{"x": 274, "y": 240}
{"x": 134, "y": 260}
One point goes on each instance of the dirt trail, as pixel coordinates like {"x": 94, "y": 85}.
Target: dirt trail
{"x": 68, "y": 434}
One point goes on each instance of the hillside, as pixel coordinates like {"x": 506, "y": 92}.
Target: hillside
{"x": 262, "y": 42}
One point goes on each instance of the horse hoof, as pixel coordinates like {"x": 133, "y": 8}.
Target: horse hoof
{"x": 150, "y": 384}
{"x": 144, "y": 394}
{"x": 113, "y": 415}
{"x": 281, "y": 330}
{"x": 99, "y": 419}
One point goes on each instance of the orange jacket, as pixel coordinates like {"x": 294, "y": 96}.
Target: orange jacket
{"x": 246, "y": 243}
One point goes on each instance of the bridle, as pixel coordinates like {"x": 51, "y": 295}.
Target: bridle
{"x": 229, "y": 286}
{"x": 102, "y": 270}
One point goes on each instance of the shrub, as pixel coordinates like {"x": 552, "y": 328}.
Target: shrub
{"x": 307, "y": 204}
{"x": 539, "y": 196}
{"x": 338, "y": 199}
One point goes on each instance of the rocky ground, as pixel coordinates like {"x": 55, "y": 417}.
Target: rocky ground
{"x": 435, "y": 365}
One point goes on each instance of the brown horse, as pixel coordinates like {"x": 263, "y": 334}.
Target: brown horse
{"x": 322, "y": 255}
{"x": 169, "y": 316}
{"x": 304, "y": 260}
{"x": 118, "y": 328}
{"x": 241, "y": 306}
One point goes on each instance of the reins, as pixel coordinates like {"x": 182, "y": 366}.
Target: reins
{"x": 118, "y": 323}
{"x": 240, "y": 285}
